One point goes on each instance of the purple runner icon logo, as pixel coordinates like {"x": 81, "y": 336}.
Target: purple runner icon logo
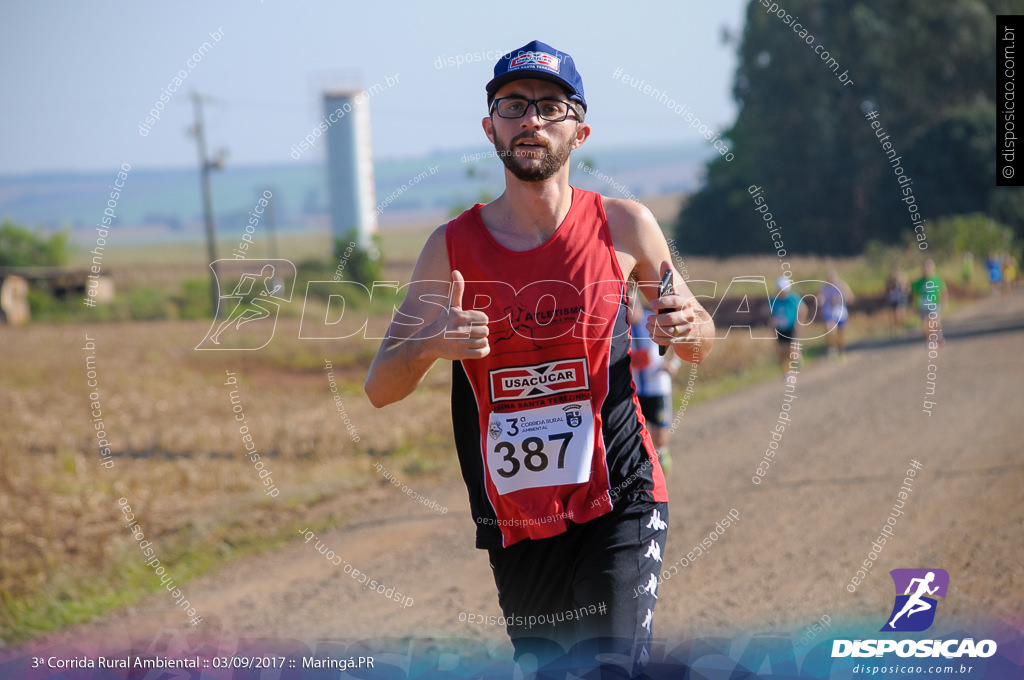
{"x": 914, "y": 609}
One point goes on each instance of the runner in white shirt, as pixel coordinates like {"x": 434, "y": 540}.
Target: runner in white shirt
{"x": 652, "y": 375}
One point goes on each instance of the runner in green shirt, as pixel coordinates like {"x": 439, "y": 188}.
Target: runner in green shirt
{"x": 930, "y": 295}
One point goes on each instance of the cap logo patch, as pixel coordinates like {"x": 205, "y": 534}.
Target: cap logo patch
{"x": 535, "y": 60}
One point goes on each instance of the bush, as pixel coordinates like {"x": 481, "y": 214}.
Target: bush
{"x": 21, "y": 248}
{"x": 974, "y": 233}
{"x": 42, "y": 305}
{"x": 146, "y": 304}
{"x": 142, "y": 303}
{"x": 193, "y": 302}
{"x": 360, "y": 265}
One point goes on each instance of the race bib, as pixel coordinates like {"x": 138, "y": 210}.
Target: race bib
{"x": 546, "y": 446}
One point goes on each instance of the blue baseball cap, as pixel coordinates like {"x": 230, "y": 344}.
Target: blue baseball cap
{"x": 538, "y": 60}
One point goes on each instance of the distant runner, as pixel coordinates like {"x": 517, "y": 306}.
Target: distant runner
{"x": 930, "y": 295}
{"x": 967, "y": 268}
{"x": 994, "y": 265}
{"x": 652, "y": 375}
{"x": 1009, "y": 272}
{"x": 833, "y": 299}
{"x": 788, "y": 312}
{"x": 897, "y": 294}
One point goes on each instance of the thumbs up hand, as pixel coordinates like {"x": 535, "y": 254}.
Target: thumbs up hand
{"x": 465, "y": 332}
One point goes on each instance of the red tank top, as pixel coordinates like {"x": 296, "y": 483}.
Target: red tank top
{"x": 547, "y": 426}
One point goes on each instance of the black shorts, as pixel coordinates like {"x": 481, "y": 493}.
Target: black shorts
{"x": 587, "y": 592}
{"x": 785, "y": 336}
{"x": 656, "y": 409}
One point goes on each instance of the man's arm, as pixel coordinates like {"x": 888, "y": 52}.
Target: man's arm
{"x": 636, "y": 233}
{"x": 424, "y": 329}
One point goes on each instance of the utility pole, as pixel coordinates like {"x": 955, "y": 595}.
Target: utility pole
{"x": 199, "y": 132}
{"x": 272, "y": 225}
{"x": 272, "y": 229}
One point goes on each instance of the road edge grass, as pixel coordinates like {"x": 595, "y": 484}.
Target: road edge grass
{"x": 73, "y": 598}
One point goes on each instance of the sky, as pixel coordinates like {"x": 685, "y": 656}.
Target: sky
{"x": 79, "y": 78}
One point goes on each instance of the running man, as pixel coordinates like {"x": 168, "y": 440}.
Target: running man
{"x": 930, "y": 295}
{"x": 788, "y": 312}
{"x": 967, "y": 268}
{"x": 832, "y": 301}
{"x": 652, "y": 375}
{"x": 564, "y": 481}
{"x": 897, "y": 294}
{"x": 915, "y": 604}
{"x": 1009, "y": 272}
{"x": 994, "y": 265}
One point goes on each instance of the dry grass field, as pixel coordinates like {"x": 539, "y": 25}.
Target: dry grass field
{"x": 177, "y": 453}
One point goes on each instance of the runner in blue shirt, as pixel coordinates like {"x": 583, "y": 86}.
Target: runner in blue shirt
{"x": 788, "y": 313}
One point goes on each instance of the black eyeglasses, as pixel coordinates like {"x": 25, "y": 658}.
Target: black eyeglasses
{"x": 553, "y": 110}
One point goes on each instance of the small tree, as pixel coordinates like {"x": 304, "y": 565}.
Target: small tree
{"x": 362, "y": 265}
{"x": 976, "y": 233}
{"x": 19, "y": 247}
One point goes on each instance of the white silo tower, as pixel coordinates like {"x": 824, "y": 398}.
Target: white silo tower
{"x": 350, "y": 165}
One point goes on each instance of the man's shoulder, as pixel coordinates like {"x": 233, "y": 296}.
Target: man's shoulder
{"x": 629, "y": 222}
{"x": 461, "y": 223}
{"x": 464, "y": 216}
{"x": 438, "y": 234}
{"x": 625, "y": 212}
{"x": 433, "y": 256}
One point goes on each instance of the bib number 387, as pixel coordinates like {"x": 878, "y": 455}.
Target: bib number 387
{"x": 546, "y": 446}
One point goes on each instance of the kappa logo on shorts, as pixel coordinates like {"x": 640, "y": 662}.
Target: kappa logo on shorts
{"x": 656, "y": 522}
{"x": 552, "y": 377}
{"x": 534, "y": 60}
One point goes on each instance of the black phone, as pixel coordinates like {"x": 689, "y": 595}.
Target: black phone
{"x": 665, "y": 288}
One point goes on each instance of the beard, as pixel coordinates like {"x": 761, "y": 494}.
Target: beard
{"x": 551, "y": 162}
